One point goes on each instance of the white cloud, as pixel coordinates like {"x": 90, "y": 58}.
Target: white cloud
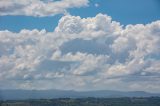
{"x": 30, "y": 58}
{"x": 70, "y": 25}
{"x": 117, "y": 70}
{"x": 38, "y": 7}
{"x": 88, "y": 28}
{"x": 90, "y": 65}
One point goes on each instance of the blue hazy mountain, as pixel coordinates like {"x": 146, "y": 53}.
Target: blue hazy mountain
{"x": 49, "y": 94}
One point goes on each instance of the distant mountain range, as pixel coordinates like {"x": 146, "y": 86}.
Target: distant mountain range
{"x": 49, "y": 94}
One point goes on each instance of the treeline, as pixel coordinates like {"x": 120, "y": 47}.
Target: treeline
{"x": 150, "y": 101}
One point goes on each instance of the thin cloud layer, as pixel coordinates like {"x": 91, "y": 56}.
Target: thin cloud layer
{"x": 70, "y": 57}
{"x": 39, "y": 7}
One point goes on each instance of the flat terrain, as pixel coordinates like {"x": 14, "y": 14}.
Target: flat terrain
{"x": 149, "y": 101}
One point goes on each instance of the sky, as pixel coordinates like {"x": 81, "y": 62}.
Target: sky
{"x": 80, "y": 45}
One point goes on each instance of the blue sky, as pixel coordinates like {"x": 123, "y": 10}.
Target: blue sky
{"x": 80, "y": 44}
{"x": 124, "y": 11}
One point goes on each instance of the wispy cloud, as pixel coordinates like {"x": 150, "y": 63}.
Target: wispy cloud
{"x": 39, "y": 7}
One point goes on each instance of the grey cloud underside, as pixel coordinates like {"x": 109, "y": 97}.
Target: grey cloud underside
{"x": 84, "y": 46}
{"x": 51, "y": 65}
{"x": 99, "y": 55}
{"x": 93, "y": 47}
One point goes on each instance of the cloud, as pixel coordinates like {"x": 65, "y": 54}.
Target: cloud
{"x": 38, "y": 7}
{"x": 80, "y": 45}
{"x": 70, "y": 25}
{"x": 88, "y": 28}
{"x": 82, "y": 54}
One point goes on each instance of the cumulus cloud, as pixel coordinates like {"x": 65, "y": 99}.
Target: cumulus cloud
{"x": 70, "y": 25}
{"x": 82, "y": 53}
{"x": 88, "y": 28}
{"x": 38, "y": 7}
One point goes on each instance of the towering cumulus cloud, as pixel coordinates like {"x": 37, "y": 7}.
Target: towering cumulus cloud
{"x": 81, "y": 53}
